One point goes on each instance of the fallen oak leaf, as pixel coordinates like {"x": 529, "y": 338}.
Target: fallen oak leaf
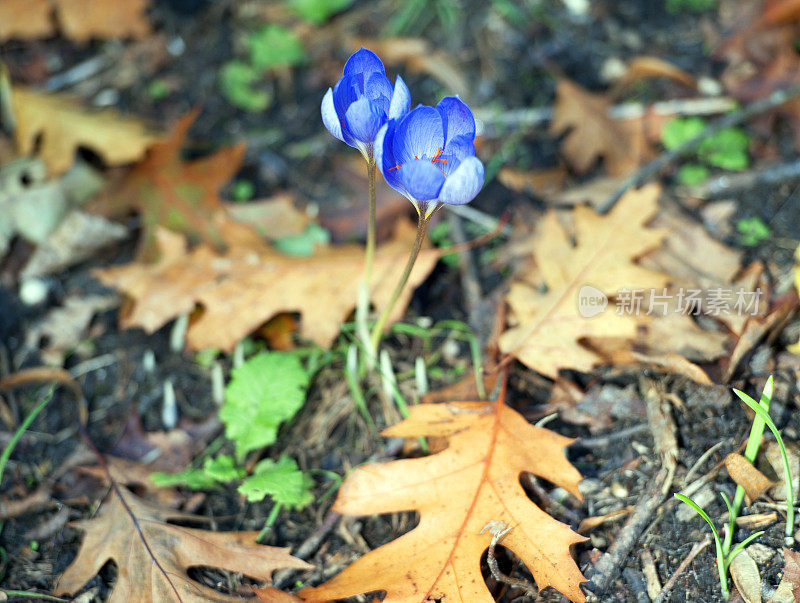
{"x": 64, "y": 125}
{"x": 474, "y": 481}
{"x": 550, "y": 326}
{"x": 592, "y": 134}
{"x": 180, "y": 195}
{"x": 242, "y": 289}
{"x": 153, "y": 556}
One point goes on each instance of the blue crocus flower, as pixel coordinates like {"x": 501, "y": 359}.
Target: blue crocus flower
{"x": 362, "y": 100}
{"x": 429, "y": 155}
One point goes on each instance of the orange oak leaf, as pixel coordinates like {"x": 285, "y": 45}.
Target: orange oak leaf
{"x": 180, "y": 195}
{"x": 592, "y": 134}
{"x": 153, "y": 556}
{"x": 243, "y": 288}
{"x": 457, "y": 492}
{"x": 550, "y": 326}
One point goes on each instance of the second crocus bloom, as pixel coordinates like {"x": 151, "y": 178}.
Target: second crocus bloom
{"x": 362, "y": 100}
{"x": 429, "y": 155}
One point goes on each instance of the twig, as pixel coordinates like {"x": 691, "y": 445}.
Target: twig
{"x": 636, "y": 584}
{"x": 307, "y": 548}
{"x": 724, "y": 185}
{"x": 608, "y": 567}
{"x": 649, "y": 170}
{"x": 606, "y": 440}
{"x": 498, "y": 529}
{"x": 696, "y": 549}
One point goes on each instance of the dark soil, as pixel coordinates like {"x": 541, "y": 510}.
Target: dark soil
{"x": 507, "y": 63}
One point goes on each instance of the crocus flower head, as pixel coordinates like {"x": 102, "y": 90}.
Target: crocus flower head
{"x": 429, "y": 155}
{"x": 362, "y": 100}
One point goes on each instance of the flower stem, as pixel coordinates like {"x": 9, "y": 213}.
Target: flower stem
{"x": 362, "y": 305}
{"x": 377, "y": 330}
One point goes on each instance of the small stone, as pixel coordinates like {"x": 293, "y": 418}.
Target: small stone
{"x": 618, "y": 490}
{"x": 33, "y": 291}
{"x": 612, "y": 69}
{"x": 709, "y": 86}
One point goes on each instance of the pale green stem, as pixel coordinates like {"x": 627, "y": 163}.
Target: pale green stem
{"x": 750, "y": 453}
{"x": 377, "y": 330}
{"x": 362, "y": 306}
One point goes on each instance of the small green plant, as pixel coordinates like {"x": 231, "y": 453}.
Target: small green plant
{"x": 752, "y": 231}
{"x": 270, "y": 47}
{"x": 726, "y": 552}
{"x": 726, "y": 149}
{"x": 318, "y": 11}
{"x": 694, "y": 6}
{"x": 264, "y": 392}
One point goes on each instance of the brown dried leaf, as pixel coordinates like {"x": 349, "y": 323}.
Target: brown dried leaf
{"x": 746, "y": 577}
{"x": 245, "y": 287}
{"x": 25, "y": 19}
{"x": 180, "y": 195}
{"x": 64, "y": 125}
{"x": 79, "y": 20}
{"x": 788, "y": 590}
{"x": 549, "y": 326}
{"x": 592, "y": 134}
{"x": 157, "y": 570}
{"x": 458, "y": 491}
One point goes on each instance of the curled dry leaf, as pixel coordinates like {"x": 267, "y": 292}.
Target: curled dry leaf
{"x": 746, "y": 577}
{"x": 747, "y": 476}
{"x": 474, "y": 481}
{"x": 64, "y": 125}
{"x": 240, "y": 290}
{"x": 153, "y": 556}
{"x": 646, "y": 67}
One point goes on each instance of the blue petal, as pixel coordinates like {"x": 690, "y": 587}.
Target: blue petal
{"x": 461, "y": 147}
{"x": 384, "y": 157}
{"x": 363, "y": 119}
{"x": 419, "y": 134}
{"x": 329, "y": 116}
{"x": 457, "y": 118}
{"x": 345, "y": 93}
{"x": 421, "y": 179}
{"x": 464, "y": 183}
{"x": 363, "y": 61}
{"x": 378, "y": 89}
{"x": 401, "y": 99}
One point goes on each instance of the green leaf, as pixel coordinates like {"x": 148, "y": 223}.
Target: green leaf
{"x": 681, "y": 130}
{"x": 727, "y": 149}
{"x": 282, "y": 481}
{"x": 222, "y": 469}
{"x": 236, "y": 82}
{"x": 752, "y": 231}
{"x": 273, "y": 46}
{"x": 265, "y": 391}
{"x": 196, "y": 479}
{"x": 318, "y": 11}
{"x": 692, "y": 174}
{"x": 303, "y": 244}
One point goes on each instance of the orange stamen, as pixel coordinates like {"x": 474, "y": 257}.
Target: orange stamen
{"x": 397, "y": 167}
{"x": 436, "y": 157}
